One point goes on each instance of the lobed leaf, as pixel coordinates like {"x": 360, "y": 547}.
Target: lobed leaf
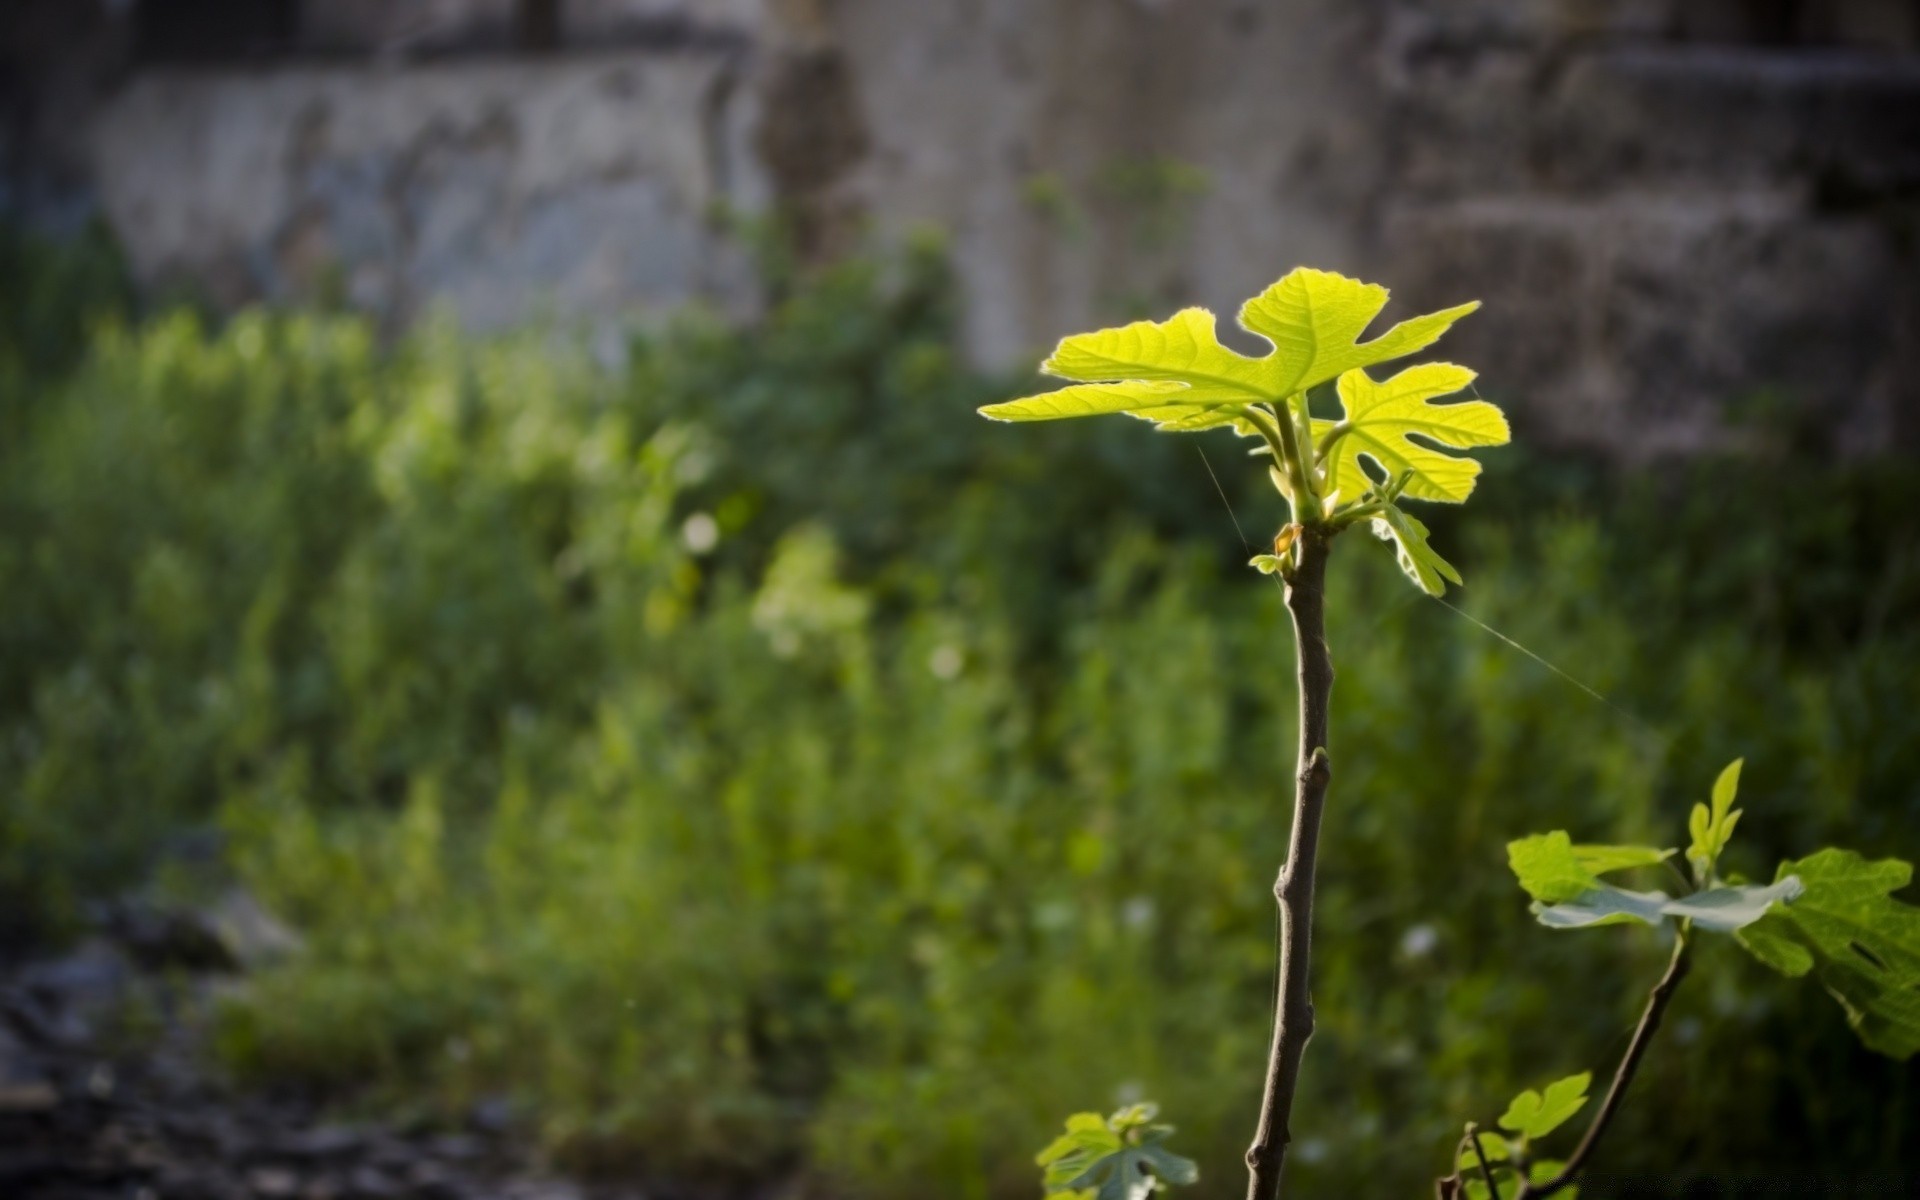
{"x": 1113, "y": 1158}
{"x": 1182, "y": 348}
{"x": 1421, "y": 562}
{"x": 1379, "y": 421}
{"x": 1092, "y": 400}
{"x": 1533, "y": 1114}
{"x": 1861, "y": 943}
{"x": 1547, "y": 867}
{"x": 1569, "y": 894}
{"x": 1175, "y": 372}
{"x": 1315, "y": 318}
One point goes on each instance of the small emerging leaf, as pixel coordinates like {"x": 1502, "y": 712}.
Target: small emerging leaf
{"x": 1863, "y": 945}
{"x": 1086, "y": 1142}
{"x": 1268, "y": 564}
{"x": 1113, "y": 1158}
{"x": 1493, "y": 1148}
{"x": 1712, "y": 828}
{"x": 1532, "y": 1114}
{"x": 1421, "y": 562}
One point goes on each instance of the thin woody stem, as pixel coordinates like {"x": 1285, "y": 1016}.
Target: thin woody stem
{"x": 1479, "y": 1156}
{"x": 1293, "y": 890}
{"x": 1657, "y": 1001}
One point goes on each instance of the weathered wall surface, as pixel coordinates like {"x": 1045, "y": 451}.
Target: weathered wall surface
{"x": 579, "y": 187}
{"x": 1669, "y": 206}
{"x": 1664, "y": 229}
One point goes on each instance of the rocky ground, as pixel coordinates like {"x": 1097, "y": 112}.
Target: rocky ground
{"x": 105, "y": 1091}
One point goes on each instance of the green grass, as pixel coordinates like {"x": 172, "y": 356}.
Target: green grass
{"x": 934, "y": 801}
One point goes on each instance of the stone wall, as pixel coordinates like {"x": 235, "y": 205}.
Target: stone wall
{"x": 498, "y": 188}
{"x": 1673, "y": 208}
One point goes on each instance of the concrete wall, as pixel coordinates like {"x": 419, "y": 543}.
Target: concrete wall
{"x": 1669, "y": 206}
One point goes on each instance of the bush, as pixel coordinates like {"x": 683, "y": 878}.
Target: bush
{"x": 749, "y": 761}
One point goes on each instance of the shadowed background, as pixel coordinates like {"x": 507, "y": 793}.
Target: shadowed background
{"x": 504, "y": 477}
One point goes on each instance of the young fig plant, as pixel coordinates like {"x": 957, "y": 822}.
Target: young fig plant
{"x": 1121, "y": 1157}
{"x": 1830, "y": 912}
{"x": 1337, "y": 471}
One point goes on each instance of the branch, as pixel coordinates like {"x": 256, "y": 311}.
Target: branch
{"x": 1293, "y": 890}
{"x": 1453, "y": 1187}
{"x": 1657, "y": 1001}
{"x": 1479, "y": 1156}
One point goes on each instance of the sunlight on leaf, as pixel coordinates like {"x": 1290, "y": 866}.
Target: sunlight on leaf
{"x": 1602, "y": 859}
{"x": 1378, "y": 419}
{"x": 1417, "y": 557}
{"x": 1534, "y": 1114}
{"x": 1094, "y": 399}
{"x": 1315, "y": 318}
{"x": 1183, "y": 347}
{"x": 1712, "y": 828}
{"x": 1176, "y": 374}
{"x": 1547, "y": 867}
{"x": 1121, "y": 1157}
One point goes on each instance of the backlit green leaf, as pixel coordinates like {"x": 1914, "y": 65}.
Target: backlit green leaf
{"x": 1861, "y": 943}
{"x": 1534, "y": 1114}
{"x": 1379, "y": 417}
{"x": 1093, "y": 399}
{"x": 1182, "y": 348}
{"x": 1493, "y": 1148}
{"x": 1547, "y": 867}
{"x": 1417, "y": 557}
{"x": 1599, "y": 860}
{"x": 1315, "y": 318}
{"x": 1712, "y": 828}
{"x": 1113, "y": 1158}
{"x": 1175, "y": 372}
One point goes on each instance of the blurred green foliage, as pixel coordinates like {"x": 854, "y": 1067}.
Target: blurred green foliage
{"x": 750, "y": 761}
